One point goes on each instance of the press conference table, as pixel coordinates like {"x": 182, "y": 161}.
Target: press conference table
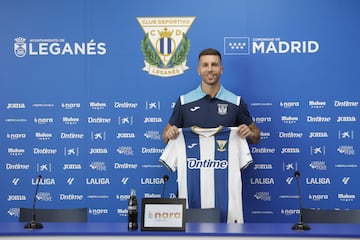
{"x": 111, "y": 230}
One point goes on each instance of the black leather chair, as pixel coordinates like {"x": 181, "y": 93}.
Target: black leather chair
{"x": 330, "y": 216}
{"x": 209, "y": 215}
{"x": 54, "y": 215}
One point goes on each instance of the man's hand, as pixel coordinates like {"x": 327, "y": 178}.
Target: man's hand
{"x": 170, "y": 132}
{"x": 250, "y": 132}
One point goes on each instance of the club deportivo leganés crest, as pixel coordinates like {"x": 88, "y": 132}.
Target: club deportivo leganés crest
{"x": 221, "y": 145}
{"x": 165, "y": 45}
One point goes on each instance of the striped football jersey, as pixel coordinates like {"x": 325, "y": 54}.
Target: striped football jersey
{"x": 208, "y": 163}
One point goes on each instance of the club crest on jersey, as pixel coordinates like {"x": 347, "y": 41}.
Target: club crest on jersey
{"x": 221, "y": 145}
{"x": 222, "y": 108}
{"x": 165, "y": 45}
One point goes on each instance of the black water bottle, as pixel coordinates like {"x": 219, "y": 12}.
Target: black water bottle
{"x": 133, "y": 211}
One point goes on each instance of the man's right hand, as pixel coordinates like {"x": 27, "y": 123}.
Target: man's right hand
{"x": 170, "y": 132}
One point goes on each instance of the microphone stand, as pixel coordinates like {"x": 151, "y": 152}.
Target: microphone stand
{"x": 34, "y": 224}
{"x": 166, "y": 178}
{"x": 300, "y": 226}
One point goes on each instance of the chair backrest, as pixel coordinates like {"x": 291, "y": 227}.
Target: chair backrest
{"x": 54, "y": 215}
{"x": 330, "y": 216}
{"x": 210, "y": 215}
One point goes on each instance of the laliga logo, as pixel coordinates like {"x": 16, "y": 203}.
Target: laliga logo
{"x": 165, "y": 45}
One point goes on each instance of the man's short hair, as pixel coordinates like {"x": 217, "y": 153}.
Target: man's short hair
{"x": 210, "y": 51}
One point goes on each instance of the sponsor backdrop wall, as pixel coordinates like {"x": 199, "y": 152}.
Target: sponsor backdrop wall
{"x": 87, "y": 87}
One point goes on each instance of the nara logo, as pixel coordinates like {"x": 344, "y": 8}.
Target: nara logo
{"x": 165, "y": 45}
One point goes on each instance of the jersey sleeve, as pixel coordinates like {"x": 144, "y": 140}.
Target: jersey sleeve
{"x": 241, "y": 147}
{"x": 244, "y": 114}
{"x": 169, "y": 157}
{"x": 176, "y": 117}
{"x": 245, "y": 155}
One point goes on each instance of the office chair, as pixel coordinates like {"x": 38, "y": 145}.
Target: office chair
{"x": 54, "y": 215}
{"x": 330, "y": 216}
{"x": 209, "y": 215}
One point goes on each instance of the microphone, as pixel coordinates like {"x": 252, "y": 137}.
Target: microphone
{"x": 300, "y": 226}
{"x": 166, "y": 178}
{"x": 34, "y": 224}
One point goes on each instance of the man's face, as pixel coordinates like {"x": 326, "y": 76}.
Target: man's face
{"x": 210, "y": 69}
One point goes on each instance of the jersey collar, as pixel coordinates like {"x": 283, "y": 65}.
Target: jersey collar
{"x": 203, "y": 94}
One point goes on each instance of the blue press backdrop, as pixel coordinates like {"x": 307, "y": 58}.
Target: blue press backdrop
{"x": 90, "y": 122}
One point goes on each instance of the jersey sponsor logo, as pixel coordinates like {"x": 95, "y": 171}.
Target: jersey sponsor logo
{"x": 194, "y": 163}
